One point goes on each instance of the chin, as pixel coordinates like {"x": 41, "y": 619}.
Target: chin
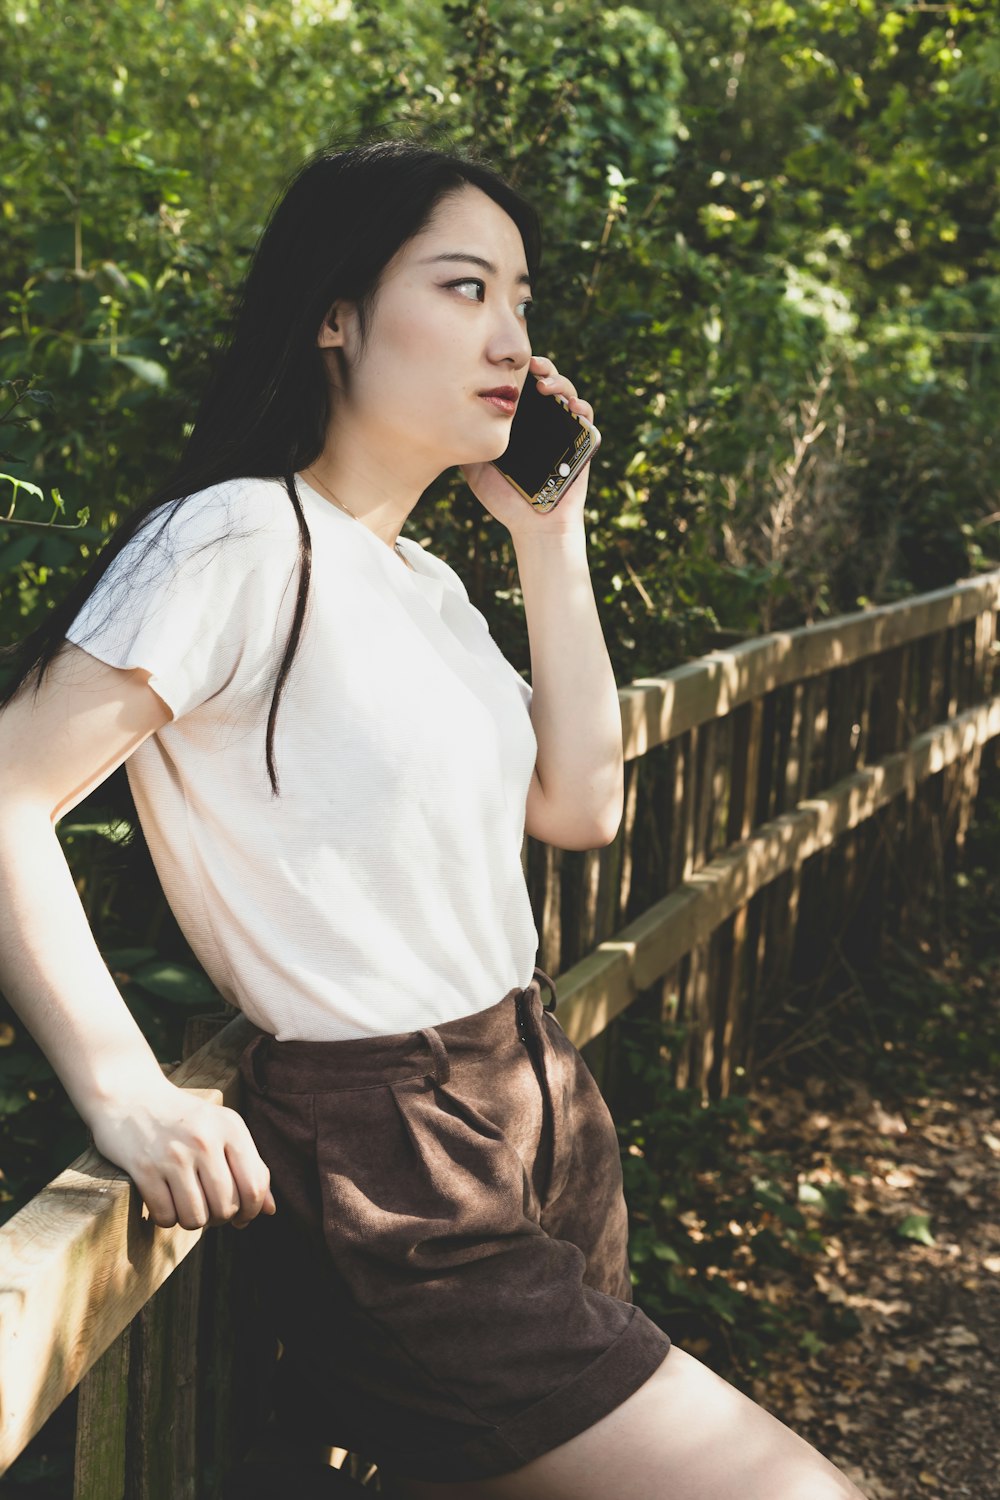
{"x": 486, "y": 452}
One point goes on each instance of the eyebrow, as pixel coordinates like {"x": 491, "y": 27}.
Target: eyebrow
{"x": 477, "y": 260}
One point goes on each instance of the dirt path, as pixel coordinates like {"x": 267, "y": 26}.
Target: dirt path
{"x": 909, "y": 1404}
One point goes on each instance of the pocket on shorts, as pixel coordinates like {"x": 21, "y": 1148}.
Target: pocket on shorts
{"x": 414, "y": 1177}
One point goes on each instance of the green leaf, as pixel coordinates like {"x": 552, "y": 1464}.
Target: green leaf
{"x": 176, "y": 983}
{"x": 916, "y": 1227}
{"x": 149, "y": 370}
{"x": 829, "y": 1197}
{"x": 127, "y": 958}
{"x": 23, "y": 484}
{"x": 12, "y": 1100}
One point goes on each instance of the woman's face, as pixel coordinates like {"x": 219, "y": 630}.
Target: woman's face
{"x": 444, "y": 328}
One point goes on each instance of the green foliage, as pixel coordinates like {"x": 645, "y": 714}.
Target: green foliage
{"x": 715, "y": 1221}
{"x": 771, "y": 265}
{"x": 916, "y": 1227}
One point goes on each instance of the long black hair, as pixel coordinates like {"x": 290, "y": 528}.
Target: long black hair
{"x": 330, "y": 234}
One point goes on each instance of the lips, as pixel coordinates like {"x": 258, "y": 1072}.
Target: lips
{"x": 503, "y": 398}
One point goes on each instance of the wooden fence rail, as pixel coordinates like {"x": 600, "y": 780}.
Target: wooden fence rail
{"x": 740, "y": 767}
{"x": 764, "y": 786}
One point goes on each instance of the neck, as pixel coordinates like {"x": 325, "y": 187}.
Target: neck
{"x": 380, "y": 491}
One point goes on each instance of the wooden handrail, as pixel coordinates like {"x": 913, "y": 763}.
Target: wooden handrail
{"x": 79, "y": 1261}
{"x": 657, "y": 709}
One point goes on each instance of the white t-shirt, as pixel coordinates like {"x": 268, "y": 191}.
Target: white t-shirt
{"x": 382, "y": 890}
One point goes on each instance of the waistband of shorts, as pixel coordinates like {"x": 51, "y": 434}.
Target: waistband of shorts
{"x": 310, "y": 1067}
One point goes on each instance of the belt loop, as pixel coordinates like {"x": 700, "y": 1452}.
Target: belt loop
{"x": 442, "y": 1063}
{"x": 540, "y": 973}
{"x": 249, "y": 1058}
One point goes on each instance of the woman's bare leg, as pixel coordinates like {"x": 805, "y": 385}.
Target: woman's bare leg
{"x": 686, "y": 1434}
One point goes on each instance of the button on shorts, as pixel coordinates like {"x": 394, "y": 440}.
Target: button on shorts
{"x": 447, "y": 1268}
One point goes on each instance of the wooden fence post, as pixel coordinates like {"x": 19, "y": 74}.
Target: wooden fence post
{"x": 162, "y": 1458}
{"x": 101, "y": 1420}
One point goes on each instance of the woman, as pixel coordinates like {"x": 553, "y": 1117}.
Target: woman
{"x": 334, "y": 767}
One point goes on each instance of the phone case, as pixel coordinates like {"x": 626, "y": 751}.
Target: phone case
{"x": 549, "y": 445}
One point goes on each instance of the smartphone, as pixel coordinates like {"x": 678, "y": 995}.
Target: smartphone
{"x": 548, "y": 447}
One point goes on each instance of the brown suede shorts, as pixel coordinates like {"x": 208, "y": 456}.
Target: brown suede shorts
{"x": 447, "y": 1269}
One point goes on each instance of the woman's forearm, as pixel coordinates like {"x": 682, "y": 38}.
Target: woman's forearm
{"x": 575, "y": 711}
{"x": 52, "y": 972}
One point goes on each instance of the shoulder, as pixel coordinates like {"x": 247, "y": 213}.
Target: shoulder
{"x": 249, "y": 514}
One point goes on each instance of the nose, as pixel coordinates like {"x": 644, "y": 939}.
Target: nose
{"x": 510, "y": 340}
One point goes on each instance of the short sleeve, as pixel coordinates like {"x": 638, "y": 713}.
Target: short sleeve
{"x": 192, "y": 598}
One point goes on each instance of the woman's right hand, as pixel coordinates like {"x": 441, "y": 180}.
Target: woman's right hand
{"x": 193, "y": 1162}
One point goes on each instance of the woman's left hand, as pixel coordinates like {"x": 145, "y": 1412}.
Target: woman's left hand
{"x": 500, "y": 497}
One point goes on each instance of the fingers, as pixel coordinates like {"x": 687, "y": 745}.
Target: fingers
{"x": 189, "y": 1199}
{"x": 156, "y": 1195}
{"x": 551, "y": 383}
{"x": 557, "y": 385}
{"x": 210, "y": 1176}
{"x": 542, "y": 366}
{"x": 251, "y": 1178}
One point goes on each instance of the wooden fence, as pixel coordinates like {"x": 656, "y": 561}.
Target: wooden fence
{"x": 765, "y": 786}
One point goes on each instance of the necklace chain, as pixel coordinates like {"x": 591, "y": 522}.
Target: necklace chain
{"x": 396, "y": 547}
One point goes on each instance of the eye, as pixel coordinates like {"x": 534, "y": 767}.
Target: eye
{"x": 471, "y": 281}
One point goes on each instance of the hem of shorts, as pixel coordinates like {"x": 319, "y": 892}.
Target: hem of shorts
{"x": 608, "y": 1380}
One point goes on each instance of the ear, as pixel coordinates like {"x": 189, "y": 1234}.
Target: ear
{"x": 331, "y": 334}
